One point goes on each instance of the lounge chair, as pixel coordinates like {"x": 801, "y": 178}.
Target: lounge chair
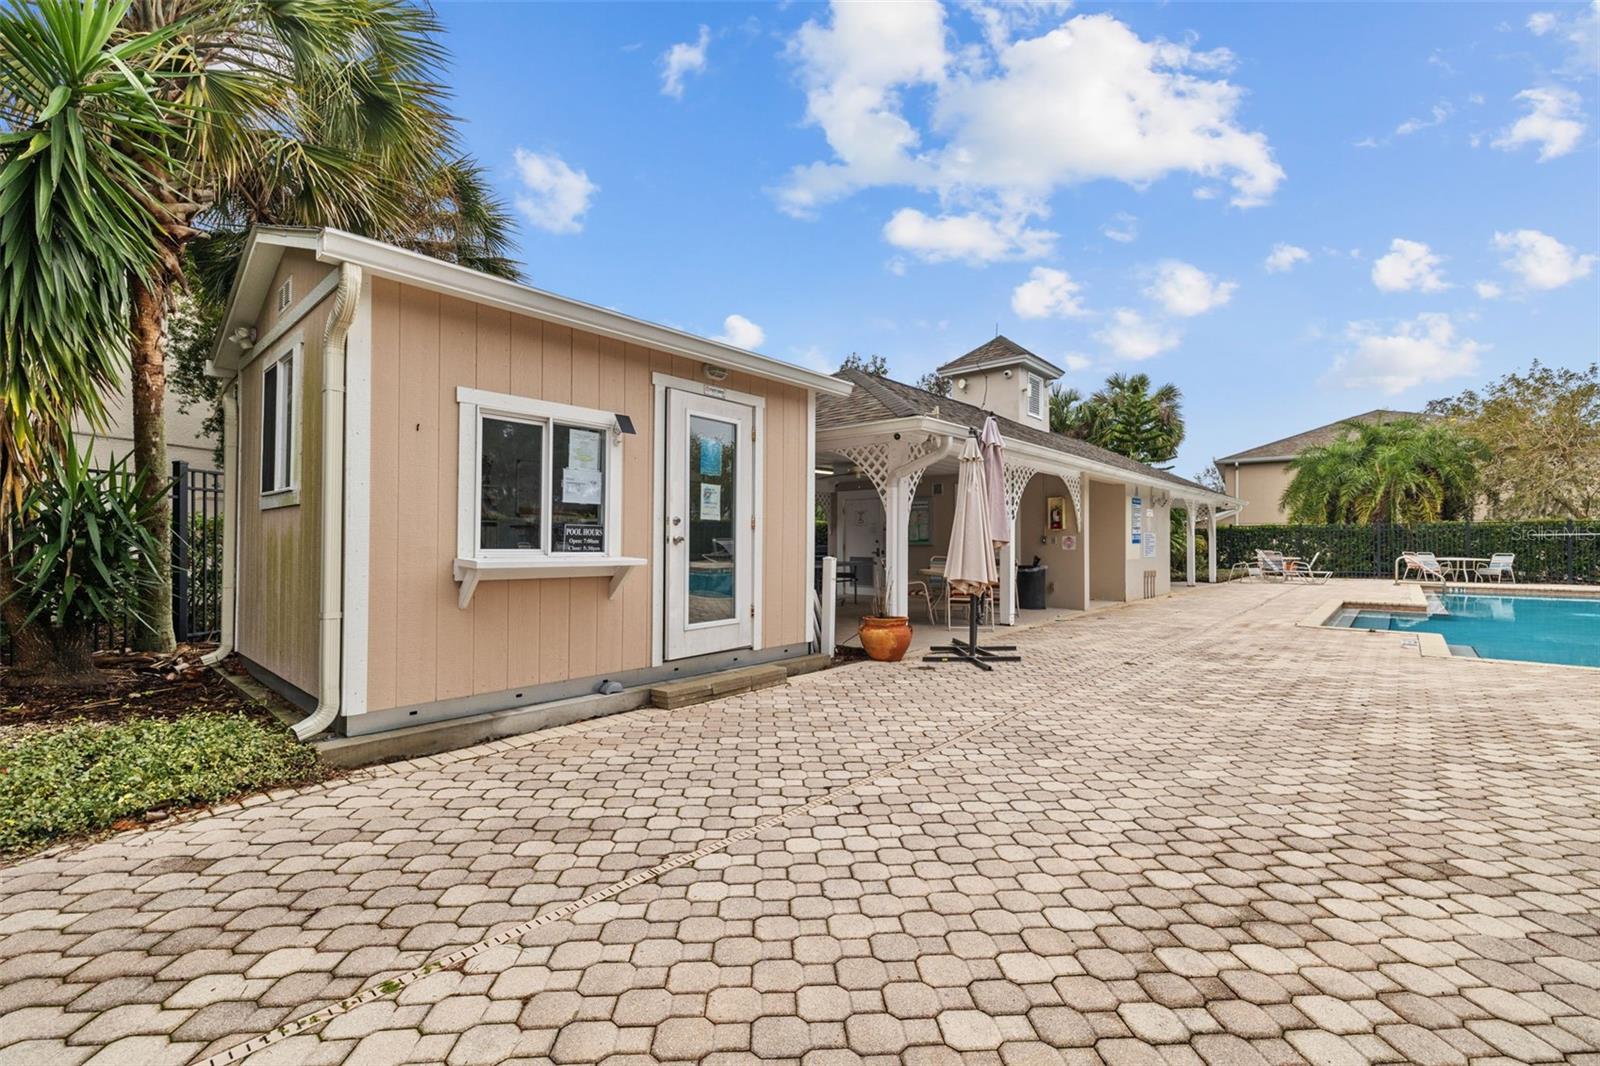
{"x": 1424, "y": 564}
{"x": 1307, "y": 573}
{"x": 1272, "y": 564}
{"x": 1499, "y": 567}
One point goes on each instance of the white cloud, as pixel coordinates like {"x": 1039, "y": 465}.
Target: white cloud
{"x": 553, "y": 196}
{"x": 1048, "y": 293}
{"x": 1487, "y": 290}
{"x": 995, "y": 127}
{"x": 1075, "y": 362}
{"x": 972, "y": 238}
{"x": 1578, "y": 29}
{"x": 1440, "y": 112}
{"x": 1129, "y": 336}
{"x": 1185, "y": 289}
{"x": 1541, "y": 261}
{"x": 740, "y": 332}
{"x": 1422, "y": 350}
{"x": 682, "y": 60}
{"x": 1554, "y": 122}
{"x": 1409, "y": 266}
{"x": 1284, "y": 256}
{"x": 1122, "y": 228}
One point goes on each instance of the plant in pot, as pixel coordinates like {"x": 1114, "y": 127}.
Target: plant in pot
{"x": 884, "y": 637}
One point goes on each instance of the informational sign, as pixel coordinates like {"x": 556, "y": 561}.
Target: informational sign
{"x": 919, "y": 525}
{"x": 581, "y": 486}
{"x": 1150, "y": 536}
{"x": 710, "y": 502}
{"x": 1069, "y": 542}
{"x": 1138, "y": 519}
{"x": 711, "y": 456}
{"x": 582, "y": 537}
{"x": 583, "y": 449}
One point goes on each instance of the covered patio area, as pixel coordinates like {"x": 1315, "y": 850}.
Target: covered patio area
{"x": 1095, "y": 523}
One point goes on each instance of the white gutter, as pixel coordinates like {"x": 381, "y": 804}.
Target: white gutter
{"x": 330, "y": 624}
{"x": 230, "y": 520}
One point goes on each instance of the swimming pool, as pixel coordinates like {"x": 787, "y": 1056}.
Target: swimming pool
{"x": 1540, "y": 629}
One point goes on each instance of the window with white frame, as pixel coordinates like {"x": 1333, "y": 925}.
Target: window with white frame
{"x": 277, "y": 424}
{"x": 543, "y": 478}
{"x": 1036, "y": 395}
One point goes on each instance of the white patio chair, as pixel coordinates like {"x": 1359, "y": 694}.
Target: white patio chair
{"x": 1499, "y": 567}
{"x": 1424, "y": 564}
{"x": 1272, "y": 564}
{"x": 953, "y": 599}
{"x": 1307, "y": 573}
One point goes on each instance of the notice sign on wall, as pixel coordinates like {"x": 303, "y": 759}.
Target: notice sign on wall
{"x": 581, "y": 537}
{"x": 1150, "y": 535}
{"x": 1138, "y": 519}
{"x": 710, "y": 502}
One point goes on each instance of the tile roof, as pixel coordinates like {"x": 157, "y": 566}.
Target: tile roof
{"x": 1291, "y": 446}
{"x": 877, "y": 399}
{"x": 1000, "y": 350}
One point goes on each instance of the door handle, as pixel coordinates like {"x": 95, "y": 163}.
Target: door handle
{"x": 677, "y": 540}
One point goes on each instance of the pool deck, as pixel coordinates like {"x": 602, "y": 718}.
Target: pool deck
{"x": 1185, "y": 831}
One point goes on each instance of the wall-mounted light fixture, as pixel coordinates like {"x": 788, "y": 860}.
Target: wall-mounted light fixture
{"x": 715, "y": 373}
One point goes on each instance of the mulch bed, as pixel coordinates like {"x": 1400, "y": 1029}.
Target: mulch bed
{"x": 146, "y": 685}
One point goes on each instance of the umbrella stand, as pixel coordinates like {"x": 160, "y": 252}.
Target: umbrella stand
{"x": 967, "y": 651}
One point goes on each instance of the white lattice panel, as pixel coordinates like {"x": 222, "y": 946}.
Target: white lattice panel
{"x": 1075, "y": 490}
{"x": 1017, "y": 478}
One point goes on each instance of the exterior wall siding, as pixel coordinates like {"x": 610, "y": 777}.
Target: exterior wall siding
{"x": 422, "y": 647}
{"x": 280, "y": 562}
{"x": 1261, "y": 485}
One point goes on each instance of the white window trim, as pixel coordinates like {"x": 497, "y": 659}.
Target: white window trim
{"x": 1036, "y": 389}
{"x": 286, "y": 460}
{"x": 473, "y": 563}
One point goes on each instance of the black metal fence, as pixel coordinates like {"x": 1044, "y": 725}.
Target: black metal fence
{"x": 196, "y": 565}
{"x": 1548, "y": 550}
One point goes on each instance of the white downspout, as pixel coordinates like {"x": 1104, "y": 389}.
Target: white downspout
{"x": 230, "y": 520}
{"x": 330, "y": 625}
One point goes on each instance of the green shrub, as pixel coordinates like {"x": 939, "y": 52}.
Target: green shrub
{"x": 86, "y": 776}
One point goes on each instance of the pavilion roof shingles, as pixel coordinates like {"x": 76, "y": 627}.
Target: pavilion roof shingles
{"x": 877, "y": 399}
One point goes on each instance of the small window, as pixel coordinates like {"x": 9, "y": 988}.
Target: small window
{"x": 285, "y": 294}
{"x": 277, "y": 426}
{"x": 543, "y": 473}
{"x": 512, "y": 467}
{"x": 1036, "y": 395}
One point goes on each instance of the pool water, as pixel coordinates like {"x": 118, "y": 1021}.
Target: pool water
{"x": 1540, "y": 629}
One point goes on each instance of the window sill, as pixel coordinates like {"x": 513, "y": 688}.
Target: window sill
{"x": 471, "y": 571}
{"x": 271, "y": 501}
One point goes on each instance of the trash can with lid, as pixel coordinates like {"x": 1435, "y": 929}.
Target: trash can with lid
{"x": 1030, "y": 587}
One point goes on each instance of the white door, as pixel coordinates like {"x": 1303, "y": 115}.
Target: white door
{"x": 709, "y": 549}
{"x": 861, "y": 530}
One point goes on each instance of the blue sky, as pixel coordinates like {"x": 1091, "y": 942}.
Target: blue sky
{"x": 1106, "y": 184}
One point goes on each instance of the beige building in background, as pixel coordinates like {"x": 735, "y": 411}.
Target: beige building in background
{"x": 186, "y": 438}
{"x": 1261, "y": 474}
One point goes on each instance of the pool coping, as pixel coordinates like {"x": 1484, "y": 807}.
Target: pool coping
{"x": 1410, "y": 598}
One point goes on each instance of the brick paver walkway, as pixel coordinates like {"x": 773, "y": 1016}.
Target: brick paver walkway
{"x": 1184, "y": 831}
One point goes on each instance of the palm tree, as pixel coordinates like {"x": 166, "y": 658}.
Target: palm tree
{"x": 1408, "y": 470}
{"x": 319, "y": 112}
{"x": 1124, "y": 416}
{"x": 79, "y": 133}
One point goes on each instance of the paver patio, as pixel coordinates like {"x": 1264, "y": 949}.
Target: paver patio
{"x": 1185, "y": 830}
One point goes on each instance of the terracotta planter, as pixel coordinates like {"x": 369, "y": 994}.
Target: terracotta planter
{"x": 885, "y": 639}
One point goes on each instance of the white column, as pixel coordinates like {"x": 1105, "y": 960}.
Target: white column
{"x": 896, "y": 532}
{"x": 830, "y": 605}
{"x": 1007, "y": 606}
{"x": 1211, "y": 544}
{"x": 1188, "y": 514}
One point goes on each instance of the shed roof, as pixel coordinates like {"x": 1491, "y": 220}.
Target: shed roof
{"x": 1001, "y": 351}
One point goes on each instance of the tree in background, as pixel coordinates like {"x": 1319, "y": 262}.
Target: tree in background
{"x": 319, "y": 112}
{"x": 1123, "y": 416}
{"x": 874, "y": 364}
{"x": 79, "y": 136}
{"x": 932, "y": 382}
{"x": 1542, "y": 433}
{"x": 1408, "y": 470}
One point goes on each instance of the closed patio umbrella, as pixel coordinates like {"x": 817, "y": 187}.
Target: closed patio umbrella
{"x": 969, "y": 565}
{"x": 993, "y": 446}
